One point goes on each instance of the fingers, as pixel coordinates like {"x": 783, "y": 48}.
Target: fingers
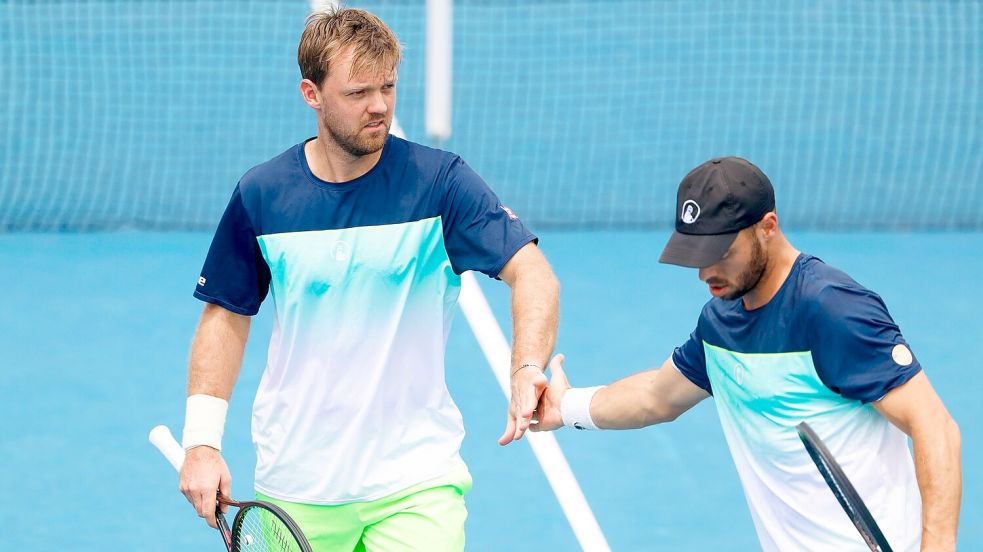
{"x": 528, "y": 397}
{"x": 535, "y": 405}
{"x": 225, "y": 489}
{"x": 521, "y": 425}
{"x": 527, "y": 387}
{"x": 203, "y": 501}
{"x": 515, "y": 425}
{"x": 515, "y": 428}
{"x": 506, "y": 437}
{"x": 547, "y": 412}
{"x": 203, "y": 474}
{"x": 540, "y": 416}
{"x": 557, "y": 375}
{"x": 207, "y": 512}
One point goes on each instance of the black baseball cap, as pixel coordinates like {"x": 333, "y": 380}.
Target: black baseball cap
{"x": 715, "y": 201}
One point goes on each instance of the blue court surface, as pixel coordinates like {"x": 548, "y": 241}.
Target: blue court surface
{"x": 96, "y": 329}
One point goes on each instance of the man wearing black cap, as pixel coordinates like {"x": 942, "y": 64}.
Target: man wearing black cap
{"x": 787, "y": 338}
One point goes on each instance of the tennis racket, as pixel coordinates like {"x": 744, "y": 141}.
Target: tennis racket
{"x": 258, "y": 526}
{"x": 843, "y": 490}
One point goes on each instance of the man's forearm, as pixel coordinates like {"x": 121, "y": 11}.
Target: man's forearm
{"x": 628, "y": 403}
{"x": 937, "y": 449}
{"x": 644, "y": 399}
{"x": 216, "y": 352}
{"x": 535, "y": 315}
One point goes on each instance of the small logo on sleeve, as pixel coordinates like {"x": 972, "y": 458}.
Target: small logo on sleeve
{"x": 201, "y": 281}
{"x": 901, "y": 355}
{"x": 511, "y": 215}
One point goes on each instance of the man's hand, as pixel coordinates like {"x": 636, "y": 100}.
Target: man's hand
{"x": 203, "y": 473}
{"x": 528, "y": 384}
{"x": 548, "y": 415}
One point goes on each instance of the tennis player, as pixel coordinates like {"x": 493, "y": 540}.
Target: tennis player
{"x": 787, "y": 338}
{"x": 360, "y": 237}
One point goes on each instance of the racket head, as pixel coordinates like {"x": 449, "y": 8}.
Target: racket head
{"x": 844, "y": 491}
{"x": 264, "y": 527}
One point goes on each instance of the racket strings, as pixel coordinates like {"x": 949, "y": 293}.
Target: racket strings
{"x": 259, "y": 530}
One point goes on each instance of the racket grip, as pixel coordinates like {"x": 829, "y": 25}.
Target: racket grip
{"x": 161, "y": 438}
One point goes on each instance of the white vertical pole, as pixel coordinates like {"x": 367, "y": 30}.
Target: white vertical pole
{"x": 544, "y": 446}
{"x": 440, "y": 47}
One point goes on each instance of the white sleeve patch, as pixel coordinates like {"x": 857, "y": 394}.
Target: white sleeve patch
{"x": 901, "y": 355}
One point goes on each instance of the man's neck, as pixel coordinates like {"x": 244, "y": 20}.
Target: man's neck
{"x": 779, "y": 266}
{"x": 333, "y": 164}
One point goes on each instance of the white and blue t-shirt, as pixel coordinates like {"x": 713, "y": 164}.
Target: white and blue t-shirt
{"x": 364, "y": 277}
{"x": 820, "y": 351}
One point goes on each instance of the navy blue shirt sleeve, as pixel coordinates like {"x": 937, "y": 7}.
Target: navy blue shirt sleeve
{"x": 235, "y": 275}
{"x": 857, "y": 348}
{"x": 479, "y": 232}
{"x": 690, "y": 360}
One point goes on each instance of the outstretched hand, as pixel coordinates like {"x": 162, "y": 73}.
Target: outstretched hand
{"x": 528, "y": 384}
{"x": 548, "y": 415}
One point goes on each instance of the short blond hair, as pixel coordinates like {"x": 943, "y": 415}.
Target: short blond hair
{"x": 327, "y": 33}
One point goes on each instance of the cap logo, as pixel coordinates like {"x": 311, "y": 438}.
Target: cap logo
{"x": 691, "y": 212}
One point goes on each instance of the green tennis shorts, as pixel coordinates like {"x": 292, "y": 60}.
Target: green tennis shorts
{"x": 429, "y": 516}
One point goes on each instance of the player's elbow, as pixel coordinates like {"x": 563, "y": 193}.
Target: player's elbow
{"x": 940, "y": 432}
{"x": 658, "y": 412}
{"x": 542, "y": 274}
{"x": 551, "y": 283}
{"x": 669, "y": 416}
{"x": 943, "y": 423}
{"x": 955, "y": 436}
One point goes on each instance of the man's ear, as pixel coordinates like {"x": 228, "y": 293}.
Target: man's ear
{"x": 309, "y": 91}
{"x": 768, "y": 225}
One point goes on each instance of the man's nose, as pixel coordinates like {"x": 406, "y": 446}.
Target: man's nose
{"x": 378, "y": 104}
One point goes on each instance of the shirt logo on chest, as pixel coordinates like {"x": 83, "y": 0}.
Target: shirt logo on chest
{"x": 341, "y": 251}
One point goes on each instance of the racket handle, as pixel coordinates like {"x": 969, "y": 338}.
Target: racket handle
{"x": 161, "y": 438}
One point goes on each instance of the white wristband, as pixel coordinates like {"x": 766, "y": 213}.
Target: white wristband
{"x": 204, "y": 422}
{"x": 575, "y": 407}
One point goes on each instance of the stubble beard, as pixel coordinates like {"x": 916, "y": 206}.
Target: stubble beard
{"x": 355, "y": 143}
{"x": 752, "y": 273}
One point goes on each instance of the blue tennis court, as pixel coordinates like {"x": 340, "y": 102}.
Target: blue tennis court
{"x": 124, "y": 127}
{"x": 97, "y": 328}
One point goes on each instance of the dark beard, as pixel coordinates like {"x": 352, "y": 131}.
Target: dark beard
{"x": 752, "y": 274}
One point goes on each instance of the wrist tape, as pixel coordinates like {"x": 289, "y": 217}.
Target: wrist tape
{"x": 204, "y": 422}
{"x": 575, "y": 407}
